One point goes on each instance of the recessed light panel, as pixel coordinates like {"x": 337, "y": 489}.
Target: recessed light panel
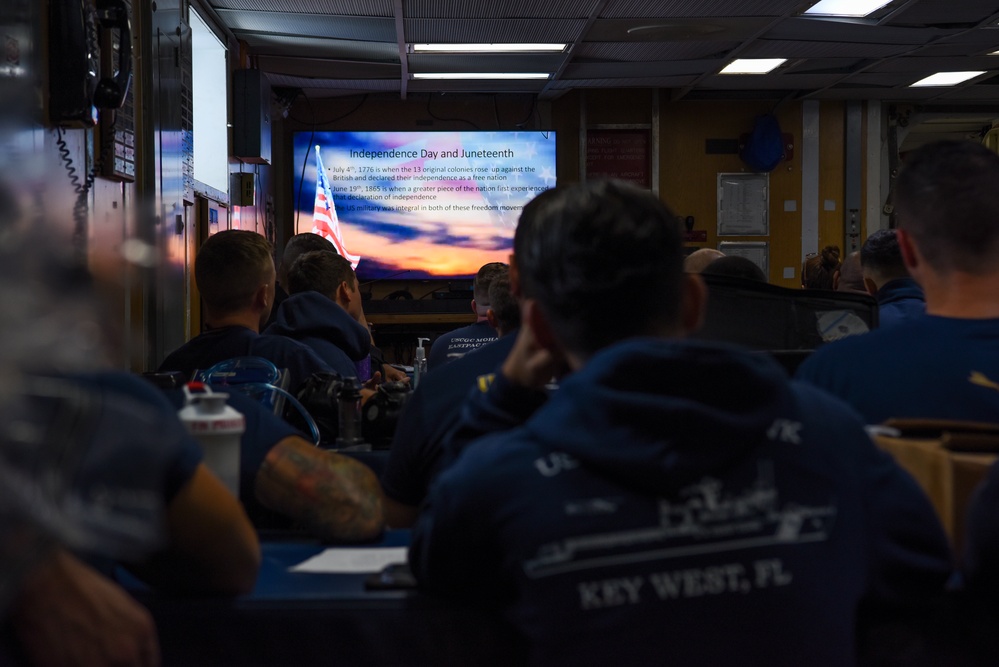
{"x": 946, "y": 79}
{"x": 753, "y": 65}
{"x": 852, "y": 8}
{"x": 486, "y": 48}
{"x": 481, "y": 75}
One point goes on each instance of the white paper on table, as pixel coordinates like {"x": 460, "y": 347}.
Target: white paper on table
{"x": 351, "y": 560}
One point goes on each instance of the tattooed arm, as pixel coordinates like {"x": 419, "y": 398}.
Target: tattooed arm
{"x": 334, "y": 497}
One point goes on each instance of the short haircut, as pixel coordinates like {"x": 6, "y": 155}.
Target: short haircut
{"x": 881, "y": 257}
{"x": 483, "y": 278}
{"x": 503, "y": 304}
{"x": 737, "y": 267}
{"x": 851, "y": 277}
{"x": 230, "y": 267}
{"x": 604, "y": 259}
{"x": 698, "y": 260}
{"x": 946, "y": 198}
{"x": 298, "y": 245}
{"x": 320, "y": 271}
{"x": 818, "y": 270}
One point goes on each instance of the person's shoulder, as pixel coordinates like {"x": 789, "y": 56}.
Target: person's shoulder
{"x": 850, "y": 354}
{"x": 123, "y": 383}
{"x": 493, "y": 461}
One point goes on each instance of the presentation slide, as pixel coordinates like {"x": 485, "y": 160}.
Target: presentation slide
{"x": 422, "y": 204}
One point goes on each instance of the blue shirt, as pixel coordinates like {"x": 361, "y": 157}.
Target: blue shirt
{"x": 430, "y": 413}
{"x": 215, "y": 345}
{"x": 457, "y": 343}
{"x": 899, "y": 300}
{"x": 929, "y": 367}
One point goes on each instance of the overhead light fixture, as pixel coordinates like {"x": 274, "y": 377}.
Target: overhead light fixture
{"x": 480, "y": 75}
{"x": 851, "y": 8}
{"x": 753, "y": 65}
{"x": 946, "y": 79}
{"x": 486, "y": 48}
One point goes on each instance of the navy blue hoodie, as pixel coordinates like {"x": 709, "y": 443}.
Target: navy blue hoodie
{"x": 320, "y": 323}
{"x": 682, "y": 503}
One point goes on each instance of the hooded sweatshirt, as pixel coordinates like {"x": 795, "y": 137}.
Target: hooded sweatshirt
{"x": 681, "y": 503}
{"x": 323, "y": 325}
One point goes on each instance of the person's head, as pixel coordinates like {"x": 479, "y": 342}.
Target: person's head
{"x": 329, "y": 274}
{"x": 504, "y": 309}
{"x": 817, "y": 271}
{"x": 881, "y": 259}
{"x": 480, "y": 286}
{"x": 599, "y": 262}
{"x": 298, "y": 245}
{"x": 947, "y": 208}
{"x": 849, "y": 277}
{"x": 234, "y": 272}
{"x": 696, "y": 261}
{"x": 735, "y": 266}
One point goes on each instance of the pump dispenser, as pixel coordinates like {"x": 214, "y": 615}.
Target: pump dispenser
{"x": 420, "y": 362}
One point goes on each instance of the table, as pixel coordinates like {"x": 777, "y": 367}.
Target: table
{"x": 294, "y": 618}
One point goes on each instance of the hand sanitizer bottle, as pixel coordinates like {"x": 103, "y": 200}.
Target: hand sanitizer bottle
{"x": 420, "y": 363}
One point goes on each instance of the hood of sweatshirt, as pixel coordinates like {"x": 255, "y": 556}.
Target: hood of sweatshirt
{"x": 653, "y": 414}
{"x": 310, "y": 315}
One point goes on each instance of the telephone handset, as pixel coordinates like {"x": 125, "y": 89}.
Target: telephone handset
{"x": 76, "y": 87}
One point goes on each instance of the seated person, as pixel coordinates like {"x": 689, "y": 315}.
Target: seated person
{"x": 235, "y": 275}
{"x": 945, "y": 364}
{"x": 374, "y": 362}
{"x": 297, "y": 245}
{"x": 667, "y": 483}
{"x": 850, "y": 276}
{"x": 323, "y": 310}
{"x": 67, "y": 610}
{"x": 416, "y": 454}
{"x": 818, "y": 269}
{"x": 885, "y": 277}
{"x": 454, "y": 344}
{"x": 286, "y": 481}
{"x": 210, "y": 545}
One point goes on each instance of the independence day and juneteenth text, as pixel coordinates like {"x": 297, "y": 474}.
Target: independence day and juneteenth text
{"x": 433, "y": 155}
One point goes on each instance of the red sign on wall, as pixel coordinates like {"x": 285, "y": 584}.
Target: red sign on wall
{"x": 620, "y": 154}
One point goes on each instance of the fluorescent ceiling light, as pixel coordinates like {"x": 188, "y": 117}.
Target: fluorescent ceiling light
{"x": 946, "y": 79}
{"x": 753, "y": 65}
{"x": 854, "y": 8}
{"x": 486, "y": 48}
{"x": 481, "y": 75}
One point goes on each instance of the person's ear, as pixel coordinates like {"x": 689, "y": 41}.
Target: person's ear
{"x": 870, "y": 286}
{"x": 514, "y": 274}
{"x": 535, "y": 317}
{"x": 344, "y": 295}
{"x": 475, "y": 308}
{"x": 693, "y": 303}
{"x": 910, "y": 254}
{"x": 262, "y": 297}
{"x": 492, "y": 319}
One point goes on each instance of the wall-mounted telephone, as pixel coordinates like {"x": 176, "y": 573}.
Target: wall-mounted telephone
{"x": 76, "y": 87}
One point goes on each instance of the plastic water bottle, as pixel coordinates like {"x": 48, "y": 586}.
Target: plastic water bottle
{"x": 218, "y": 427}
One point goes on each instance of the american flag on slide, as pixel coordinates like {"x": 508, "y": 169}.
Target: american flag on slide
{"x": 324, "y": 220}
